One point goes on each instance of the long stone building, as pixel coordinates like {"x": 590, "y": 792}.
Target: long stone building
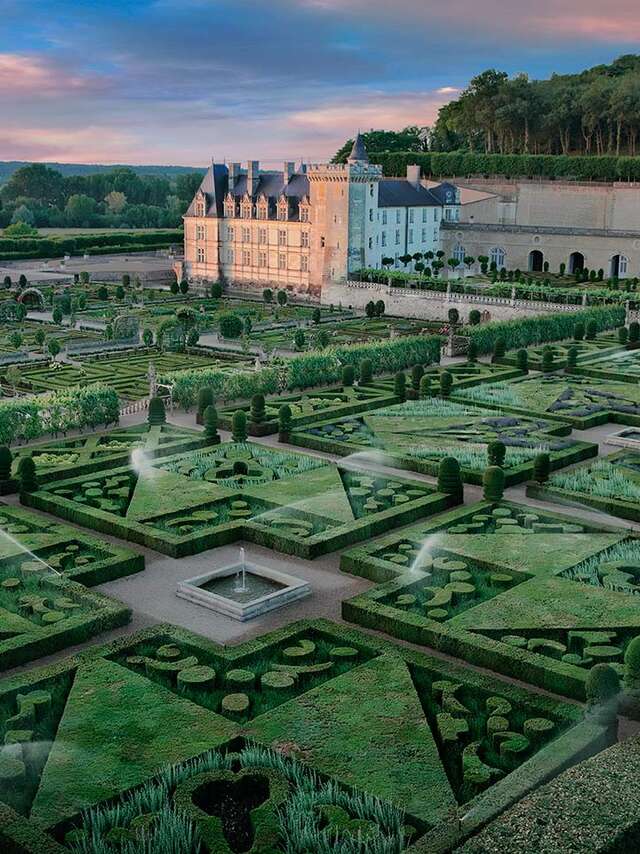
{"x": 534, "y": 225}
{"x": 305, "y": 229}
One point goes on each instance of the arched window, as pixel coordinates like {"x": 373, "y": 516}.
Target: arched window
{"x": 498, "y": 256}
{"x": 459, "y": 253}
{"x": 623, "y": 265}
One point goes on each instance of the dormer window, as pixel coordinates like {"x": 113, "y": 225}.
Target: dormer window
{"x": 200, "y": 209}
{"x": 246, "y": 211}
{"x": 304, "y": 213}
{"x": 262, "y": 209}
{"x": 229, "y": 208}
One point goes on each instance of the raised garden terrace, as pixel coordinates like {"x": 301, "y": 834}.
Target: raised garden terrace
{"x": 603, "y": 346}
{"x": 418, "y": 434}
{"x": 382, "y": 744}
{"x": 580, "y": 401}
{"x": 186, "y": 503}
{"x": 533, "y": 594}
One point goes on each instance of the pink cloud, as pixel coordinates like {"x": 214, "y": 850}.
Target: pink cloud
{"x": 22, "y": 74}
{"x": 66, "y": 145}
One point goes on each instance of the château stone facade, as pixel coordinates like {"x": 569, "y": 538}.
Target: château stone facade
{"x": 304, "y": 229}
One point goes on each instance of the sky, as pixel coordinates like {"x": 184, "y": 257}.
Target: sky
{"x": 184, "y": 81}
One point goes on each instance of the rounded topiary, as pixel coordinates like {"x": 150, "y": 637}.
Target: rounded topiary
{"x": 542, "y": 468}
{"x": 27, "y": 475}
{"x": 205, "y": 398}
{"x": 474, "y": 317}
{"x": 496, "y": 453}
{"x": 239, "y": 426}
{"x": 400, "y": 385}
{"x": 258, "y": 411}
{"x": 366, "y": 371}
{"x": 285, "y": 421}
{"x": 572, "y": 357}
{"x": 522, "y": 361}
{"x": 603, "y": 684}
{"x": 632, "y": 667}
{"x": 417, "y": 372}
{"x": 547, "y": 360}
{"x": 591, "y": 330}
{"x": 6, "y": 461}
{"x": 348, "y": 375}
{"x": 449, "y": 478}
{"x": 634, "y": 332}
{"x": 425, "y": 386}
{"x": 578, "y": 331}
{"x": 156, "y": 414}
{"x": 210, "y": 419}
{"x": 446, "y": 383}
{"x": 623, "y": 334}
{"x": 472, "y": 352}
{"x": 493, "y": 483}
{"x": 499, "y": 348}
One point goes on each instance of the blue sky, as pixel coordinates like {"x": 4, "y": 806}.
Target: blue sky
{"x": 181, "y": 81}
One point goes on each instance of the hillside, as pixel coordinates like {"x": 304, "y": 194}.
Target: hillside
{"x": 8, "y": 167}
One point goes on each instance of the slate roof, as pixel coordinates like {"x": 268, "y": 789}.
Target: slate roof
{"x": 399, "y": 193}
{"x": 359, "y": 150}
{"x": 215, "y": 186}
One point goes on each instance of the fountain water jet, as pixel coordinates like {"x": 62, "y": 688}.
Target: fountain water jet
{"x": 26, "y": 551}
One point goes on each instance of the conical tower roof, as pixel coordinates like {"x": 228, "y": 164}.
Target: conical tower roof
{"x": 359, "y": 151}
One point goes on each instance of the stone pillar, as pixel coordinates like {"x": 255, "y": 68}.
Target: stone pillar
{"x": 448, "y": 290}
{"x": 449, "y": 348}
{"x": 513, "y": 295}
{"x": 584, "y": 298}
{"x": 153, "y": 380}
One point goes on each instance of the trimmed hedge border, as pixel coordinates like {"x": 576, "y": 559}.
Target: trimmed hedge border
{"x": 366, "y": 610}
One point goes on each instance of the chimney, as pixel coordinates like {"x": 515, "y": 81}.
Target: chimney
{"x": 253, "y": 176}
{"x": 234, "y": 172}
{"x": 289, "y": 169}
{"x": 413, "y": 175}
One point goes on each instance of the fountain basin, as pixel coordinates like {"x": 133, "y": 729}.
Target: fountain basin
{"x": 266, "y": 589}
{"x": 628, "y": 438}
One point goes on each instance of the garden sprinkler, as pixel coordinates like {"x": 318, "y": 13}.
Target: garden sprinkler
{"x": 241, "y": 575}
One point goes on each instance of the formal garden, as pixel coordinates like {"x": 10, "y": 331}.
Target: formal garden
{"x": 486, "y": 643}
{"x": 419, "y": 434}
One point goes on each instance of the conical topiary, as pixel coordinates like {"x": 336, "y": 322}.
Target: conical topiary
{"x": 284, "y": 422}
{"x": 156, "y": 414}
{"x": 449, "y": 478}
{"x": 493, "y": 483}
{"x": 542, "y": 467}
{"x": 210, "y": 419}
{"x": 239, "y": 426}
{"x": 258, "y": 411}
{"x": 205, "y": 399}
{"x": 27, "y": 475}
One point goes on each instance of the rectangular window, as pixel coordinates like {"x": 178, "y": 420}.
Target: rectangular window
{"x": 304, "y": 239}
{"x": 200, "y": 232}
{"x": 384, "y": 217}
{"x": 246, "y": 235}
{"x": 262, "y": 235}
{"x": 262, "y": 259}
{"x": 370, "y": 214}
{"x": 282, "y": 262}
{"x": 435, "y": 214}
{"x": 230, "y": 256}
{"x": 410, "y": 235}
{"x": 371, "y": 243}
{"x": 282, "y": 237}
{"x": 230, "y": 233}
{"x": 398, "y": 220}
{"x": 246, "y": 258}
{"x": 411, "y": 215}
{"x": 384, "y": 238}
{"x": 304, "y": 214}
{"x": 397, "y": 236}
{"x": 424, "y": 235}
{"x": 435, "y": 235}
{"x": 304, "y": 263}
{"x": 201, "y": 258}
{"x": 424, "y": 214}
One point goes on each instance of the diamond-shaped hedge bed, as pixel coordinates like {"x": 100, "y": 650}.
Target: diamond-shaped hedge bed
{"x": 186, "y": 503}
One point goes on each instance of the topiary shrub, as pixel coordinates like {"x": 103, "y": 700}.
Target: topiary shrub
{"x": 366, "y": 371}
{"x": 417, "y": 372}
{"x": 348, "y": 375}
{"x": 449, "y": 478}
{"x": 6, "y": 460}
{"x": 493, "y": 483}
{"x": 499, "y": 348}
{"x": 472, "y": 352}
{"x": 425, "y": 386}
{"x": 496, "y": 453}
{"x": 400, "y": 385}
{"x": 632, "y": 667}
{"x": 27, "y": 475}
{"x": 542, "y": 468}
{"x": 446, "y": 383}
{"x": 210, "y": 419}
{"x": 578, "y": 331}
{"x": 572, "y": 357}
{"x": 634, "y": 332}
{"x": 603, "y": 685}
{"x": 230, "y": 325}
{"x": 156, "y": 414}
{"x": 474, "y": 317}
{"x": 591, "y": 330}
{"x": 239, "y": 426}
{"x": 205, "y": 399}
{"x": 285, "y": 422}
{"x": 547, "y": 360}
{"x": 258, "y": 411}
{"x": 522, "y": 361}
{"x": 623, "y": 334}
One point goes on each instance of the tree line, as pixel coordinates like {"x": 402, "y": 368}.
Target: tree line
{"x": 40, "y": 197}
